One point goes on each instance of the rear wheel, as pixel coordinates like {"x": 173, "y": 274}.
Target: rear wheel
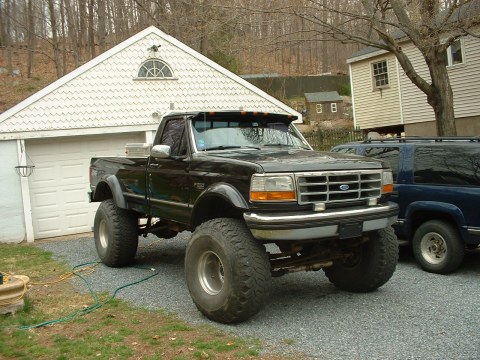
{"x": 227, "y": 271}
{"x": 370, "y": 265}
{"x": 116, "y": 234}
{"x": 437, "y": 247}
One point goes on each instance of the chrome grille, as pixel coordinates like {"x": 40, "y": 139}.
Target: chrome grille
{"x": 338, "y": 186}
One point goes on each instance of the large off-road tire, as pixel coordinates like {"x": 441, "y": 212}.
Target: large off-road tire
{"x": 371, "y": 265}
{"x": 437, "y": 247}
{"x": 116, "y": 234}
{"x": 227, "y": 271}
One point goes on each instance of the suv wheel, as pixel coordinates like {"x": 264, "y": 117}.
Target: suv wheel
{"x": 437, "y": 247}
{"x": 227, "y": 271}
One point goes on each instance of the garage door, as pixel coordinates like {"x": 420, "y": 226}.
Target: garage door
{"x": 60, "y": 182}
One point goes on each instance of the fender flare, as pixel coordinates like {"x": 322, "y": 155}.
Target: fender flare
{"x": 434, "y": 206}
{"x": 223, "y": 190}
{"x": 116, "y": 189}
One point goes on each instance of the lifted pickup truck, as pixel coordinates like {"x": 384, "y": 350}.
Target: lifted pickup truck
{"x": 240, "y": 181}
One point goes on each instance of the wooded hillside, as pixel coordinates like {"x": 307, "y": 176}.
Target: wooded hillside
{"x": 288, "y": 37}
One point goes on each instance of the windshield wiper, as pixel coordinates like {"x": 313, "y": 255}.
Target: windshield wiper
{"x": 278, "y": 144}
{"x": 226, "y": 147}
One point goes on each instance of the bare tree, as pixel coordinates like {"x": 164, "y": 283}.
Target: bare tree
{"x": 91, "y": 28}
{"x": 55, "y": 42}
{"x": 30, "y": 36}
{"x": 7, "y": 41}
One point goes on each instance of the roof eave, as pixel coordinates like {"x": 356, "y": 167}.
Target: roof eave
{"x": 367, "y": 56}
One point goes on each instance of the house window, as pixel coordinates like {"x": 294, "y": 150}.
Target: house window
{"x": 319, "y": 108}
{"x": 380, "y": 74}
{"x": 333, "y": 107}
{"x": 154, "y": 69}
{"x": 454, "y": 53}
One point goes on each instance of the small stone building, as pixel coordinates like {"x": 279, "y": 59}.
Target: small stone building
{"x": 323, "y": 106}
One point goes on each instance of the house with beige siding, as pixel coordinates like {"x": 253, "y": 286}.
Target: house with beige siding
{"x": 385, "y": 100}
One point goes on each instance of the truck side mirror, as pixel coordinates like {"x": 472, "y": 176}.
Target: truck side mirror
{"x": 160, "y": 151}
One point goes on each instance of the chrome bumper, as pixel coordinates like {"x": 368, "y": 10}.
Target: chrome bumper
{"x": 318, "y": 225}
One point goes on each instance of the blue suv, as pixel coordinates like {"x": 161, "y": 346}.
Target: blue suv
{"x": 437, "y": 187}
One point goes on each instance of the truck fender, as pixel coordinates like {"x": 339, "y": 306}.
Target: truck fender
{"x": 226, "y": 191}
{"x": 434, "y": 206}
{"x": 220, "y": 190}
{"x": 115, "y": 188}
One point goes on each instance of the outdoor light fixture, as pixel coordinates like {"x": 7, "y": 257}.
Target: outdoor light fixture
{"x": 154, "y": 48}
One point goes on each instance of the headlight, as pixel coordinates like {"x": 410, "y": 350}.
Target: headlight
{"x": 387, "y": 182}
{"x": 272, "y": 188}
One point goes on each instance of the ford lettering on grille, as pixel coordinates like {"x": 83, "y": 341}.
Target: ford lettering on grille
{"x": 344, "y": 187}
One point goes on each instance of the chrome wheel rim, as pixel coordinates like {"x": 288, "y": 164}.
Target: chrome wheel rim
{"x": 103, "y": 233}
{"x": 210, "y": 273}
{"x": 433, "y": 247}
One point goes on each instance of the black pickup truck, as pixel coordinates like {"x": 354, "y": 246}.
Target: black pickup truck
{"x": 244, "y": 182}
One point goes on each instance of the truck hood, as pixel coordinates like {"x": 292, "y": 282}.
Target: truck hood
{"x": 274, "y": 160}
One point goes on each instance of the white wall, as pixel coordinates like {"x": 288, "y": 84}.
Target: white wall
{"x": 12, "y": 226}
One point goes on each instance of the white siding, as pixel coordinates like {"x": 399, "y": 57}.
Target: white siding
{"x": 375, "y": 108}
{"x": 414, "y": 102}
{"x": 12, "y": 226}
{"x": 465, "y": 80}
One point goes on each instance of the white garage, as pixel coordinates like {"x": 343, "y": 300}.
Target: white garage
{"x": 95, "y": 110}
{"x": 59, "y": 184}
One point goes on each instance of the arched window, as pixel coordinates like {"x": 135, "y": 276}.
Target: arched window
{"x": 154, "y": 69}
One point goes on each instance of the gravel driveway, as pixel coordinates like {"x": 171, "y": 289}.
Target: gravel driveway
{"x": 416, "y": 315}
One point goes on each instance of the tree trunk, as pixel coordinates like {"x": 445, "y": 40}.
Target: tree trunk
{"x": 102, "y": 18}
{"x": 30, "y": 37}
{"x": 82, "y": 28}
{"x": 64, "y": 36}
{"x": 441, "y": 97}
{"x": 72, "y": 32}
{"x": 325, "y": 59}
{"x": 7, "y": 38}
{"x": 54, "y": 27}
{"x": 91, "y": 29}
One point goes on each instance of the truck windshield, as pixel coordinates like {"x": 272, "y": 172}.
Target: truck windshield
{"x": 245, "y": 134}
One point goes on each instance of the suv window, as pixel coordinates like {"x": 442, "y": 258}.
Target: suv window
{"x": 388, "y": 153}
{"x": 455, "y": 165}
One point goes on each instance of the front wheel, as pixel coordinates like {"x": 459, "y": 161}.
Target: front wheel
{"x": 227, "y": 271}
{"x": 437, "y": 247}
{"x": 116, "y": 234}
{"x": 370, "y": 264}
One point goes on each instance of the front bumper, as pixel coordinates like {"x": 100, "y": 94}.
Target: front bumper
{"x": 318, "y": 225}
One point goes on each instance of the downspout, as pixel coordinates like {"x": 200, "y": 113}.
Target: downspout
{"x": 400, "y": 100}
{"x": 27, "y": 206}
{"x": 353, "y": 97}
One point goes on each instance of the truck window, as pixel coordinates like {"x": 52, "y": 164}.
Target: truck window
{"x": 174, "y": 135}
{"x": 453, "y": 165}
{"x": 388, "y": 153}
{"x": 211, "y": 133}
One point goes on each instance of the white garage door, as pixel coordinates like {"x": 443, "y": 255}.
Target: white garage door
{"x": 60, "y": 182}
